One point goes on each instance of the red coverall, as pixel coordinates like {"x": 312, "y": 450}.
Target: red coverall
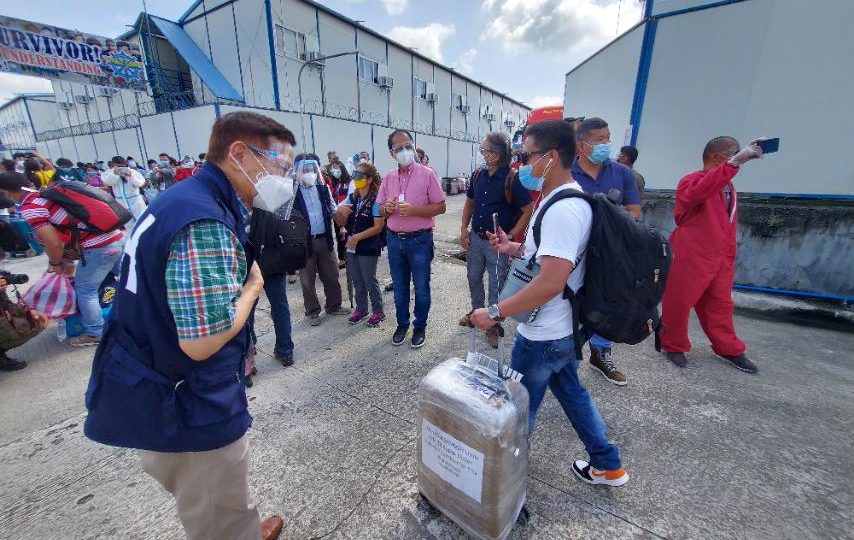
{"x": 703, "y": 255}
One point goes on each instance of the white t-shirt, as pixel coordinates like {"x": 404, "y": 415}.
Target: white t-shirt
{"x": 564, "y": 234}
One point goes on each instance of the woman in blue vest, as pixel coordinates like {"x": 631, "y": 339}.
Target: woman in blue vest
{"x": 360, "y": 215}
{"x": 168, "y": 375}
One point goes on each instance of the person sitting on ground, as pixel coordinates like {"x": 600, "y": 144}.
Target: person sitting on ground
{"x": 24, "y": 329}
{"x": 360, "y": 214}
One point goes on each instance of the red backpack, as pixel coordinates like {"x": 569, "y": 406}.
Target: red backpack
{"x": 93, "y": 207}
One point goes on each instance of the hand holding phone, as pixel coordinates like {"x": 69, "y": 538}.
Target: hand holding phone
{"x": 768, "y": 146}
{"x": 495, "y": 222}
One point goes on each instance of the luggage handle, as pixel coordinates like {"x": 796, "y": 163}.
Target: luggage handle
{"x": 504, "y": 371}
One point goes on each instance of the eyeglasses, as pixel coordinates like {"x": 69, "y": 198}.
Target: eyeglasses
{"x": 525, "y": 156}
{"x": 483, "y": 150}
{"x": 407, "y": 146}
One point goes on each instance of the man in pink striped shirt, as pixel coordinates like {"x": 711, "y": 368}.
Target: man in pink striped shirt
{"x": 410, "y": 197}
{"x": 100, "y": 252}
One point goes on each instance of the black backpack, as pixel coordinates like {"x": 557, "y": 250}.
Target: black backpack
{"x": 627, "y": 266}
{"x": 281, "y": 245}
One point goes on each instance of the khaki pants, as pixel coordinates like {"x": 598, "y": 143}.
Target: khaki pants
{"x": 211, "y": 490}
{"x": 324, "y": 263}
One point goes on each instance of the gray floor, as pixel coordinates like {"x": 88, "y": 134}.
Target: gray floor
{"x": 713, "y": 452}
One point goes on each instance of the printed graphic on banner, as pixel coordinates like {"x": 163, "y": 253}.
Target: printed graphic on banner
{"x": 452, "y": 460}
{"x": 41, "y": 50}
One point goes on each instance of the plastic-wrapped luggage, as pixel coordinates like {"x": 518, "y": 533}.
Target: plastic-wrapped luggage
{"x": 473, "y": 443}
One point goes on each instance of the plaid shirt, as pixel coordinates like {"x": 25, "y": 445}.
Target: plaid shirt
{"x": 204, "y": 278}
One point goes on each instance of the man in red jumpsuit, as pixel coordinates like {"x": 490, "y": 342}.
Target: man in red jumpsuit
{"x": 703, "y": 256}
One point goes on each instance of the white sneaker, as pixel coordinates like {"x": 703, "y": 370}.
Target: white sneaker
{"x": 590, "y": 474}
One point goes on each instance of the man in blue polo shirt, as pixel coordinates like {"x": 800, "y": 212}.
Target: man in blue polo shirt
{"x": 596, "y": 173}
{"x": 494, "y": 188}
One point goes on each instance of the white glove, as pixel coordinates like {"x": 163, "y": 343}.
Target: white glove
{"x": 751, "y": 151}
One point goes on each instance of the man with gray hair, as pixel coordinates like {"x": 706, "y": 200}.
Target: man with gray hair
{"x": 494, "y": 188}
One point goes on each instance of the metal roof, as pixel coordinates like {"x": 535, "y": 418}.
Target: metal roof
{"x": 196, "y": 59}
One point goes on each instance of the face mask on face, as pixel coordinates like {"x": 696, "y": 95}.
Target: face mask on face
{"x": 527, "y": 178}
{"x": 90, "y": 172}
{"x": 600, "y": 152}
{"x": 336, "y": 172}
{"x": 308, "y": 179}
{"x": 360, "y": 183}
{"x": 405, "y": 157}
{"x": 272, "y": 190}
{"x": 164, "y": 164}
{"x": 132, "y": 164}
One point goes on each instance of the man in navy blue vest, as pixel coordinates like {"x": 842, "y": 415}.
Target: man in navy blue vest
{"x": 168, "y": 376}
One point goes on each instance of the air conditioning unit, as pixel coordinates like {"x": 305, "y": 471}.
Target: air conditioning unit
{"x": 385, "y": 82}
{"x": 312, "y": 56}
{"x": 84, "y": 100}
{"x": 432, "y": 97}
{"x": 509, "y": 123}
{"x": 465, "y": 109}
{"x": 107, "y": 91}
{"x": 489, "y": 117}
{"x": 66, "y": 105}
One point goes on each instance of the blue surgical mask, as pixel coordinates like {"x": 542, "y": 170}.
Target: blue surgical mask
{"x": 528, "y": 180}
{"x": 600, "y": 153}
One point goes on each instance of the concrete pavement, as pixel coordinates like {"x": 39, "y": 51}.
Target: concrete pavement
{"x": 713, "y": 452}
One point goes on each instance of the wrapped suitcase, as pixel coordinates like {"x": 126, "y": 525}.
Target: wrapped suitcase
{"x": 473, "y": 442}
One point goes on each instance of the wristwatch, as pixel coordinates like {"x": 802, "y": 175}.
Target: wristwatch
{"x": 493, "y": 312}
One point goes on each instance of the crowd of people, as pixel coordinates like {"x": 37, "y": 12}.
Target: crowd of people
{"x": 169, "y": 373}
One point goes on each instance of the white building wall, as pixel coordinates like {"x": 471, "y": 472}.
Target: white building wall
{"x": 400, "y": 68}
{"x": 753, "y": 78}
{"x": 254, "y": 53}
{"x": 604, "y": 86}
{"x": 339, "y": 74}
{"x": 442, "y": 107}
{"x": 373, "y": 100}
{"x": 193, "y": 127}
{"x": 158, "y": 135}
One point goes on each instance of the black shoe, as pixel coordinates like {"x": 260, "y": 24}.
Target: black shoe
{"x": 677, "y": 358}
{"x": 400, "y": 335}
{"x": 418, "y": 336}
{"x": 10, "y": 364}
{"x": 285, "y": 359}
{"x": 389, "y": 287}
{"x": 249, "y": 382}
{"x": 741, "y": 362}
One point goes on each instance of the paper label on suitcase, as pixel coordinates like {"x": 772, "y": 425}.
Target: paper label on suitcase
{"x": 452, "y": 460}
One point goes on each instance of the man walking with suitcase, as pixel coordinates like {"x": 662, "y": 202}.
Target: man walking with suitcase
{"x": 544, "y": 350}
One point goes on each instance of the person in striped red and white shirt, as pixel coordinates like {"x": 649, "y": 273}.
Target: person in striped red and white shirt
{"x": 100, "y": 252}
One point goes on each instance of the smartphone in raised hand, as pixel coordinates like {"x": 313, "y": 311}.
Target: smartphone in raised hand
{"x": 768, "y": 146}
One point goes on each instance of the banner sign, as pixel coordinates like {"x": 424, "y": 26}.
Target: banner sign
{"x": 41, "y": 50}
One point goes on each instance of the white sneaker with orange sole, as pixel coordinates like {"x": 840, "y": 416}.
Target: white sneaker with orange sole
{"x": 590, "y": 474}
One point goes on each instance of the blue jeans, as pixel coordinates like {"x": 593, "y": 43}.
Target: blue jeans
{"x": 277, "y": 295}
{"x": 553, "y": 364}
{"x": 100, "y": 261}
{"x": 409, "y": 258}
{"x": 598, "y": 342}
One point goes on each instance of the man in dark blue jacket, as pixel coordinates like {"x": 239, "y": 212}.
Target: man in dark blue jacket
{"x": 168, "y": 376}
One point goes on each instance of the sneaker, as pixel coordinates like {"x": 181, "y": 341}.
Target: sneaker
{"x": 677, "y": 358}
{"x": 399, "y": 335}
{"x": 590, "y": 474}
{"x": 357, "y": 316}
{"x": 292, "y": 279}
{"x": 376, "y": 318}
{"x": 419, "y": 334}
{"x": 389, "y": 287}
{"x": 285, "y": 359}
{"x": 248, "y": 382}
{"x": 741, "y": 362}
{"x": 601, "y": 360}
{"x": 10, "y": 364}
{"x": 465, "y": 320}
{"x": 314, "y": 320}
{"x": 340, "y": 310}
{"x": 342, "y": 264}
{"x": 84, "y": 340}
